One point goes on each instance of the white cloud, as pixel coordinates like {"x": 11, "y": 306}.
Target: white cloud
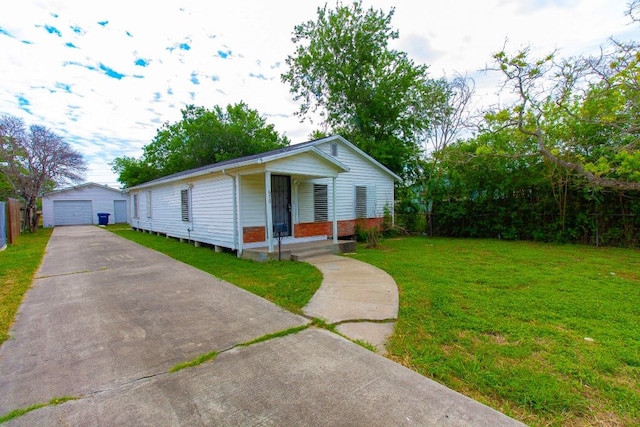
{"x": 106, "y": 75}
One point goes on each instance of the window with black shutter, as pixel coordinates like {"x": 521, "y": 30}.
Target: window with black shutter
{"x": 184, "y": 204}
{"x": 361, "y": 201}
{"x": 320, "y": 203}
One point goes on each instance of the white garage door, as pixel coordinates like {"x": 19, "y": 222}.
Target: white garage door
{"x": 72, "y": 212}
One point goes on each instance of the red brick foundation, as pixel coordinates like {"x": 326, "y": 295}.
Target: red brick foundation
{"x": 310, "y": 229}
{"x": 253, "y": 234}
{"x": 345, "y": 228}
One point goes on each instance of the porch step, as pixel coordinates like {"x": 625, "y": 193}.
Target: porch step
{"x": 302, "y": 255}
{"x": 300, "y": 251}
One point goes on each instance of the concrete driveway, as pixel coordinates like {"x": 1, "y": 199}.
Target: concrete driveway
{"x": 106, "y": 319}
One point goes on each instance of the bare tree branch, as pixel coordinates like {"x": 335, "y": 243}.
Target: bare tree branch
{"x": 35, "y": 159}
{"x": 602, "y": 91}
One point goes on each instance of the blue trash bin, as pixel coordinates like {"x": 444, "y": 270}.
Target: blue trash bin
{"x": 103, "y": 218}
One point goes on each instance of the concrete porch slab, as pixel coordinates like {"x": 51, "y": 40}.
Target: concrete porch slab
{"x": 289, "y": 250}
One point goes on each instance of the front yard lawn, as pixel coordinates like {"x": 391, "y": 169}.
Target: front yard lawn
{"x": 18, "y": 264}
{"x": 547, "y": 334}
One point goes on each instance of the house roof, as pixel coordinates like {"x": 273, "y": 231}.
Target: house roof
{"x": 309, "y": 146}
{"x": 80, "y": 186}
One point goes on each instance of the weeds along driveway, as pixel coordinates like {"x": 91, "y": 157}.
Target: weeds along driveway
{"x": 104, "y": 312}
{"x": 107, "y": 319}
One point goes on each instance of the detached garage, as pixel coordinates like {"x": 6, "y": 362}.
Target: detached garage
{"x": 80, "y": 205}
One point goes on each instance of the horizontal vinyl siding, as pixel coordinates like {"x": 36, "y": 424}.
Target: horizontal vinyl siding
{"x": 385, "y": 199}
{"x": 153, "y": 223}
{"x": 212, "y": 211}
{"x": 101, "y": 202}
{"x": 303, "y": 164}
{"x": 305, "y": 202}
{"x": 211, "y": 206}
{"x": 253, "y": 200}
{"x": 362, "y": 172}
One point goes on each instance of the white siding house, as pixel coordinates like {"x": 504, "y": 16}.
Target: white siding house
{"x": 311, "y": 191}
{"x": 81, "y": 204}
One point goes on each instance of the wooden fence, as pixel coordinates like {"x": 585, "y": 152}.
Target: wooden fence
{"x": 3, "y": 225}
{"x": 14, "y": 220}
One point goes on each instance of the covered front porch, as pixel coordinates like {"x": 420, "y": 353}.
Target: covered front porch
{"x": 292, "y": 250}
{"x": 293, "y": 198}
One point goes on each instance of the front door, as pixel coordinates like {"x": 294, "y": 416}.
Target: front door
{"x": 281, "y": 201}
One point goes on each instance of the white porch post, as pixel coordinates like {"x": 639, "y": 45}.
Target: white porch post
{"x": 267, "y": 195}
{"x": 334, "y": 209}
{"x": 238, "y": 213}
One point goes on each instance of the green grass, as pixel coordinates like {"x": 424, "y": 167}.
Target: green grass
{"x": 366, "y": 345}
{"x": 273, "y": 335}
{"x": 213, "y": 354}
{"x": 18, "y": 264}
{"x": 548, "y": 334}
{"x": 288, "y": 284}
{"x": 21, "y": 411}
{"x": 195, "y": 362}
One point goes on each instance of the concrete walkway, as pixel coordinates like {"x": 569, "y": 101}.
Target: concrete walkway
{"x": 107, "y": 319}
{"x": 361, "y": 298}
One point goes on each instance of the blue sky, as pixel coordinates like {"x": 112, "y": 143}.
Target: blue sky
{"x": 106, "y": 75}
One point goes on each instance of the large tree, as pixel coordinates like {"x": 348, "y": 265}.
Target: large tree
{"x": 569, "y": 143}
{"x": 34, "y": 160}
{"x": 202, "y": 137}
{"x": 584, "y": 112}
{"x": 344, "y": 73}
{"x": 450, "y": 119}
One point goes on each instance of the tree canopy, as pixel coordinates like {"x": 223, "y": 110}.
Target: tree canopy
{"x": 584, "y": 113}
{"x": 344, "y": 73}
{"x": 36, "y": 160}
{"x": 201, "y": 138}
{"x": 561, "y": 162}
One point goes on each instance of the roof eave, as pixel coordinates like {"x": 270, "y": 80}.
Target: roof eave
{"x": 256, "y": 161}
{"x": 86, "y": 184}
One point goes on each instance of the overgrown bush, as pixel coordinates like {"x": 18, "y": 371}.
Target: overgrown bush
{"x": 369, "y": 235}
{"x": 410, "y": 215}
{"x": 611, "y": 221}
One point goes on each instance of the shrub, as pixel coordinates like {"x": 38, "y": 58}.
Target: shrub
{"x": 368, "y": 235}
{"x": 372, "y": 237}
